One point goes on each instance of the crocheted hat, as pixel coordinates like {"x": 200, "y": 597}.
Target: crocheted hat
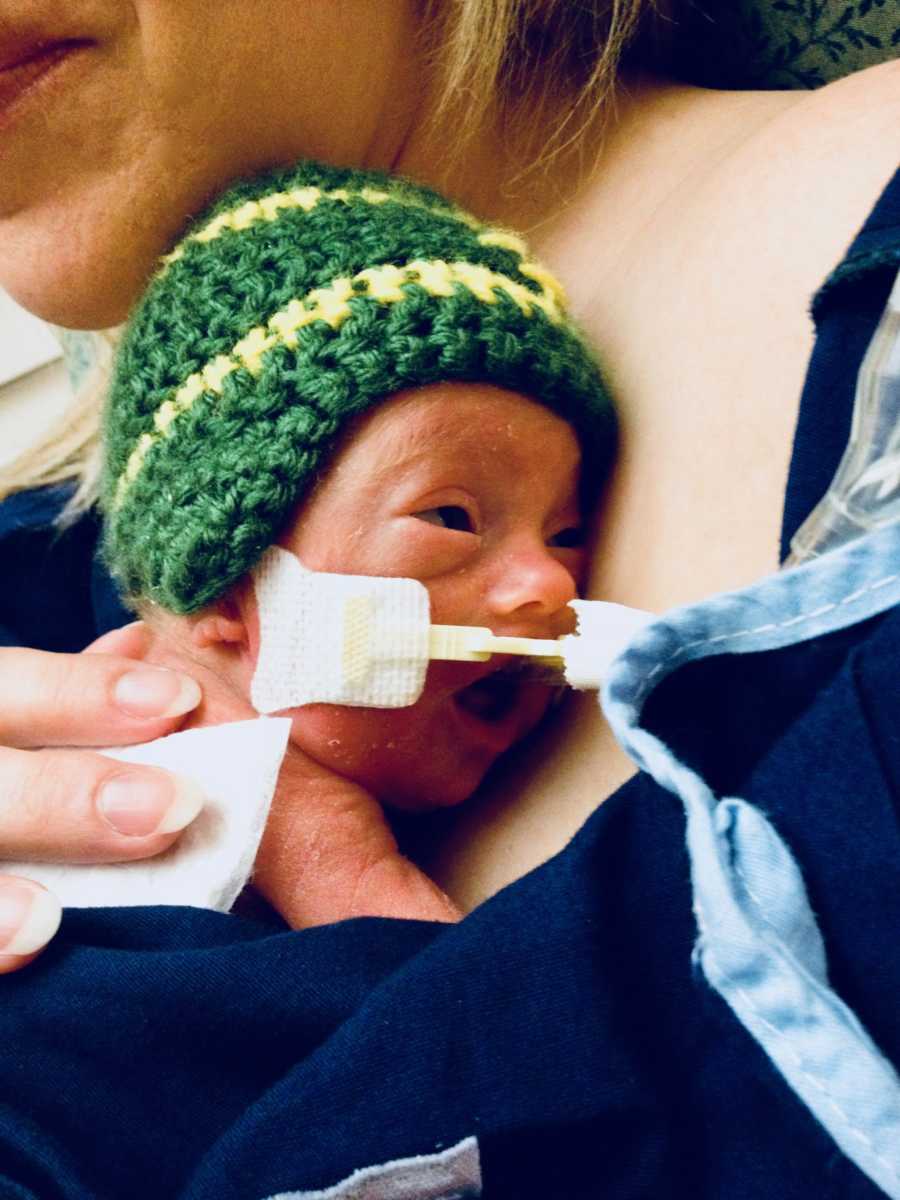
{"x": 300, "y": 299}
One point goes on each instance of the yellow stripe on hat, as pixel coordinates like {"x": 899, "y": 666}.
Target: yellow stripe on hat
{"x": 385, "y": 284}
{"x": 527, "y": 265}
{"x": 268, "y": 208}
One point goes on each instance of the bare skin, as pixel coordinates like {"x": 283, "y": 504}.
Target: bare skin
{"x": 691, "y": 240}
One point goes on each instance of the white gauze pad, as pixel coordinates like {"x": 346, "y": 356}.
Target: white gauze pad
{"x": 237, "y": 766}
{"x": 337, "y": 639}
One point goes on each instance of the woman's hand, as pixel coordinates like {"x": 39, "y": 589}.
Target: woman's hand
{"x": 327, "y": 851}
{"x": 69, "y": 805}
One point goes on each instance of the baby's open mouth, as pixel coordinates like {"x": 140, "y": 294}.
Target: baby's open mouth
{"x": 493, "y": 697}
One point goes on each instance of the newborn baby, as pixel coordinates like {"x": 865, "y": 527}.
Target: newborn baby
{"x": 350, "y": 367}
{"x": 472, "y": 490}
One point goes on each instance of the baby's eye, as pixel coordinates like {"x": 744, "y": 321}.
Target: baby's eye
{"x": 447, "y": 516}
{"x": 572, "y": 538}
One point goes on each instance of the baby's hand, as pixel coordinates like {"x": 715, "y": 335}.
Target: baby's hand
{"x": 328, "y": 853}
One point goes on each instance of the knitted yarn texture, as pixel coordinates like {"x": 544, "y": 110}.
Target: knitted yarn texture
{"x": 300, "y": 299}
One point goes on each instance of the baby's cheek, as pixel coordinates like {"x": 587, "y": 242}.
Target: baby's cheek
{"x": 338, "y": 737}
{"x": 397, "y": 754}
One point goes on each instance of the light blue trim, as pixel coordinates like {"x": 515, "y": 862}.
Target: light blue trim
{"x": 758, "y": 942}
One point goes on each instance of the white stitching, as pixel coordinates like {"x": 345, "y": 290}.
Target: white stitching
{"x": 817, "y": 1083}
{"x": 739, "y": 633}
{"x": 735, "y": 862}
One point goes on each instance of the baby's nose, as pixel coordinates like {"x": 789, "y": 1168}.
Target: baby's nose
{"x": 533, "y": 587}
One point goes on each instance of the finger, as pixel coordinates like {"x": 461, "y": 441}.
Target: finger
{"x": 395, "y": 887}
{"x": 129, "y": 641}
{"x": 328, "y": 854}
{"x": 29, "y": 917}
{"x": 71, "y": 806}
{"x": 88, "y": 699}
{"x": 15, "y": 962}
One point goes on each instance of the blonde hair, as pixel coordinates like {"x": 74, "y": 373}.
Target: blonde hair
{"x": 556, "y": 60}
{"x": 70, "y": 451}
{"x": 553, "y": 63}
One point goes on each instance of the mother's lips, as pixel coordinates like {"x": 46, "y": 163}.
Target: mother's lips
{"x": 22, "y": 50}
{"x": 22, "y": 67}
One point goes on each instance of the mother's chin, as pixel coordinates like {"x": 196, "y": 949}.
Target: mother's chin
{"x": 101, "y": 261}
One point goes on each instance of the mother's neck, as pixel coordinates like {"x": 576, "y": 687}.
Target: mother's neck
{"x": 592, "y": 198}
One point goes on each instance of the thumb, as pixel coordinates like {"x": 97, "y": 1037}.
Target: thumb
{"x": 328, "y": 854}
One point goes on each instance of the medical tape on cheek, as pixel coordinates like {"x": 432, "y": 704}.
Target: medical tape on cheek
{"x": 337, "y": 639}
{"x": 366, "y": 641}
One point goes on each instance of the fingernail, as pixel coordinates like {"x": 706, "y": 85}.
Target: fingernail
{"x": 138, "y": 805}
{"x": 156, "y": 692}
{"x": 29, "y": 916}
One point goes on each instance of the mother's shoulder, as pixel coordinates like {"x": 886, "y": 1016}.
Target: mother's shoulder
{"x": 855, "y": 120}
{"x": 863, "y": 93}
{"x": 859, "y": 113}
{"x": 863, "y": 106}
{"x": 806, "y": 178}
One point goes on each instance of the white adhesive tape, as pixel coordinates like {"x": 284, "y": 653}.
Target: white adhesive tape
{"x": 604, "y": 630}
{"x": 337, "y": 639}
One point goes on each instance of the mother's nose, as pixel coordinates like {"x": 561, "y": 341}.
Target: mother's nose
{"x": 530, "y": 584}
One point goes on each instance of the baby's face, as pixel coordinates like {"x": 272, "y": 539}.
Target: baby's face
{"x": 474, "y": 492}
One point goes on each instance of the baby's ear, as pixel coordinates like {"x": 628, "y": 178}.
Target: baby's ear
{"x": 218, "y": 625}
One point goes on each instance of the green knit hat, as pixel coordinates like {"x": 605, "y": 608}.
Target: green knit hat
{"x": 298, "y": 300}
